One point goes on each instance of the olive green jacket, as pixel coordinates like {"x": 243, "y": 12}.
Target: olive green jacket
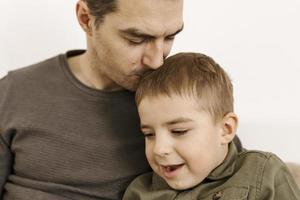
{"x": 250, "y": 175}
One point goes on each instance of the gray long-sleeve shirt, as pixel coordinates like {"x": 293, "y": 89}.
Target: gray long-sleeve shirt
{"x": 62, "y": 140}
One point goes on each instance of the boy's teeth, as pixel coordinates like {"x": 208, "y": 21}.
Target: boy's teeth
{"x": 168, "y": 169}
{"x": 171, "y": 168}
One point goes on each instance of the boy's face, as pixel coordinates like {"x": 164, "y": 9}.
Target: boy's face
{"x": 183, "y": 143}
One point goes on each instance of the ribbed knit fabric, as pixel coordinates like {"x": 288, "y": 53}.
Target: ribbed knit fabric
{"x": 61, "y": 140}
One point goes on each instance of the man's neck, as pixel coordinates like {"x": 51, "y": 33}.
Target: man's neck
{"x": 87, "y": 73}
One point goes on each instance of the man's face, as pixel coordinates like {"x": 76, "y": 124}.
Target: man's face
{"x": 134, "y": 39}
{"x": 183, "y": 143}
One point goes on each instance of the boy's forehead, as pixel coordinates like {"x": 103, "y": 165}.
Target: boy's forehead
{"x": 170, "y": 99}
{"x": 186, "y": 100}
{"x": 171, "y": 110}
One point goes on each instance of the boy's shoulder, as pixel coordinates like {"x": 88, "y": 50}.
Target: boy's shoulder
{"x": 258, "y": 159}
{"x": 252, "y": 163}
{"x": 261, "y": 156}
{"x": 267, "y": 174}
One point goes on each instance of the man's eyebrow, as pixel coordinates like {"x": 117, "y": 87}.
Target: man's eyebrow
{"x": 134, "y": 32}
{"x": 172, "y": 122}
{"x": 178, "y": 31}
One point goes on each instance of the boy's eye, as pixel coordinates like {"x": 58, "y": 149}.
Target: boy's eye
{"x": 148, "y": 135}
{"x": 179, "y": 131}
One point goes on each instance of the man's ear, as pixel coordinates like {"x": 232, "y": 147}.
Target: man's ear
{"x": 84, "y": 17}
{"x": 229, "y": 127}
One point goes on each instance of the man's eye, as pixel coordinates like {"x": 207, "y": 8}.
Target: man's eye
{"x": 179, "y": 131}
{"x": 170, "y": 37}
{"x": 137, "y": 42}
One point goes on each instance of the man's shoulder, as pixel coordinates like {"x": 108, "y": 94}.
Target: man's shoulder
{"x": 36, "y": 69}
{"x": 47, "y": 69}
{"x": 26, "y": 79}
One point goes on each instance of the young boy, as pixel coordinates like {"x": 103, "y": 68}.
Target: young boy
{"x": 186, "y": 113}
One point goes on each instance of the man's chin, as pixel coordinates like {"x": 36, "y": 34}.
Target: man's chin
{"x": 131, "y": 86}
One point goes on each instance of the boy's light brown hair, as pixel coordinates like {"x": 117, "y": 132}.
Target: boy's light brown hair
{"x": 191, "y": 75}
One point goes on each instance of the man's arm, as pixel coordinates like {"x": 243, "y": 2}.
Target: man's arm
{"x": 5, "y": 163}
{"x": 5, "y": 153}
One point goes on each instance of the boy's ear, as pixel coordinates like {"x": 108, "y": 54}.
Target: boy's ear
{"x": 229, "y": 127}
{"x": 84, "y": 17}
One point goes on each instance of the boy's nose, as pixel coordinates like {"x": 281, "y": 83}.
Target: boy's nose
{"x": 162, "y": 148}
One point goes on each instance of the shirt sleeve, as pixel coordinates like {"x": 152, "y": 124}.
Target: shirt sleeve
{"x": 5, "y": 164}
{"x": 5, "y": 153}
{"x": 277, "y": 182}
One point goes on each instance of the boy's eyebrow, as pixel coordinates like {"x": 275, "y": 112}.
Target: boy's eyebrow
{"x": 172, "y": 122}
{"x": 178, "y": 120}
{"x": 134, "y": 32}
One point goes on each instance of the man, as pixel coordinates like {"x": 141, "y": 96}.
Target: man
{"x": 69, "y": 126}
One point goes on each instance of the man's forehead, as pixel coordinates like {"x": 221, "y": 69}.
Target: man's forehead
{"x": 154, "y": 18}
{"x": 132, "y": 4}
{"x": 144, "y": 8}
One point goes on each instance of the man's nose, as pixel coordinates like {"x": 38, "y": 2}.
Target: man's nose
{"x": 154, "y": 54}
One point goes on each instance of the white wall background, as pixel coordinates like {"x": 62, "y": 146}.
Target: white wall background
{"x": 256, "y": 41}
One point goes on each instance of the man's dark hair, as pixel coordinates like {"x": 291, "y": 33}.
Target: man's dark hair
{"x": 100, "y": 8}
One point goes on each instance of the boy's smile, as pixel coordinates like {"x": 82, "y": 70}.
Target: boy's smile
{"x": 170, "y": 171}
{"x": 183, "y": 143}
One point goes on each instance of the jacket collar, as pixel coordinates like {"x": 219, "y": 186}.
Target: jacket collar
{"x": 227, "y": 168}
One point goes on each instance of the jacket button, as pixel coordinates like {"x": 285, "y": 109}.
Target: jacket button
{"x": 217, "y": 195}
